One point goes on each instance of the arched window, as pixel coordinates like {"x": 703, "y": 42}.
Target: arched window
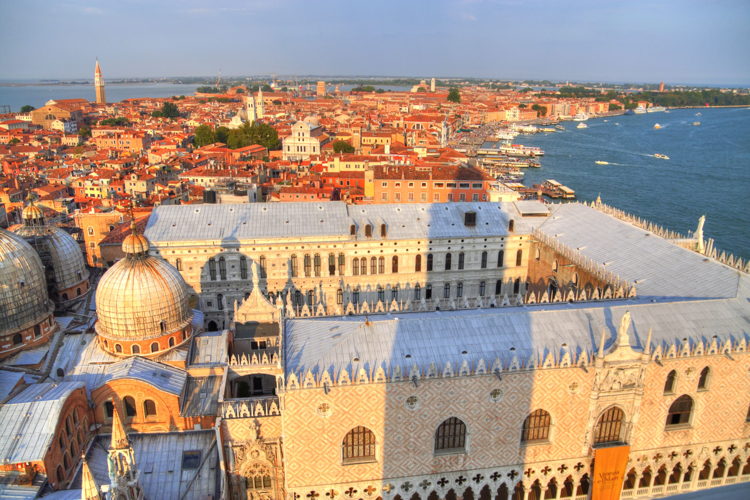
{"x": 342, "y": 264}
{"x": 373, "y": 265}
{"x": 555, "y": 266}
{"x": 355, "y": 266}
{"x": 163, "y": 326}
{"x": 680, "y": 412}
{"x": 78, "y": 292}
{"x": 90, "y": 230}
{"x": 129, "y": 403}
{"x": 358, "y": 445}
{"x": 394, "y": 292}
{"x": 368, "y": 230}
{"x": 447, "y": 291}
{"x": 511, "y": 225}
{"x": 483, "y": 265}
{"x": 450, "y": 436}
{"x": 460, "y": 289}
{"x": 428, "y": 292}
{"x": 448, "y": 261}
{"x": 243, "y": 267}
{"x": 703, "y": 380}
{"x": 461, "y": 259}
{"x": 482, "y": 288}
{"x": 339, "y": 296}
{"x": 293, "y": 265}
{"x": 381, "y": 294}
{"x": 60, "y": 474}
{"x": 355, "y": 296}
{"x": 538, "y": 254}
{"x": 331, "y": 264}
{"x": 519, "y": 257}
{"x": 154, "y": 346}
{"x": 212, "y": 268}
{"x": 352, "y": 230}
{"x": 65, "y": 296}
{"x": 316, "y": 265}
{"x": 536, "y": 426}
{"x": 178, "y": 264}
{"x": 222, "y": 268}
{"x": 669, "y": 383}
{"x": 171, "y": 341}
{"x": 220, "y": 302}
{"x": 118, "y": 348}
{"x": 500, "y": 258}
{"x": 418, "y": 263}
{"x": 149, "y": 408}
{"x": 363, "y": 265}
{"x": 135, "y": 349}
{"x": 307, "y": 265}
{"x": 394, "y": 264}
{"x": 17, "y": 339}
{"x": 517, "y": 285}
{"x": 498, "y": 287}
{"x": 263, "y": 267}
{"x": 382, "y": 231}
{"x": 381, "y": 265}
{"x": 310, "y": 298}
{"x": 609, "y": 427}
{"x": 418, "y": 296}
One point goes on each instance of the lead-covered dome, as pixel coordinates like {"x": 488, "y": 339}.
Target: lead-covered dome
{"x": 67, "y": 276}
{"x": 24, "y": 303}
{"x": 142, "y": 303}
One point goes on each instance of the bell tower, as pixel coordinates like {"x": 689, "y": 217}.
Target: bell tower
{"x": 99, "y": 84}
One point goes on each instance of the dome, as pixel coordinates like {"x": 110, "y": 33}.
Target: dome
{"x": 23, "y": 290}
{"x": 142, "y": 303}
{"x": 67, "y": 276}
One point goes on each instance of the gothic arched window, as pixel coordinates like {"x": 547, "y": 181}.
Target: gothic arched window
{"x": 483, "y": 265}
{"x": 418, "y": 264}
{"x": 429, "y": 262}
{"x": 536, "y": 426}
{"x": 394, "y": 264}
{"x": 609, "y": 427}
{"x": 358, "y": 445}
{"x": 669, "y": 382}
{"x": 680, "y": 411}
{"x": 130, "y": 410}
{"x": 450, "y": 436}
{"x": 500, "y": 258}
{"x": 704, "y": 378}
{"x": 149, "y": 408}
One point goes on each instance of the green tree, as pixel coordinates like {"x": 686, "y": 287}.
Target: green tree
{"x": 119, "y": 121}
{"x": 168, "y": 110}
{"x": 84, "y": 131}
{"x": 542, "y": 110}
{"x": 342, "y": 146}
{"x": 222, "y": 134}
{"x": 263, "y": 134}
{"x": 614, "y": 107}
{"x": 27, "y": 108}
{"x": 454, "y": 95}
{"x": 204, "y": 135}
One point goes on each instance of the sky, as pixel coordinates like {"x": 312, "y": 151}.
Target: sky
{"x": 677, "y": 41}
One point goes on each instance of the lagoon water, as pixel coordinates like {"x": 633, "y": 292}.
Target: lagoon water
{"x": 37, "y": 95}
{"x": 708, "y": 172}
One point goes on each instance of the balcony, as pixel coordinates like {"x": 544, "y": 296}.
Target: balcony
{"x": 255, "y": 407}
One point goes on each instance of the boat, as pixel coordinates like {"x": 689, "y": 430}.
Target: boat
{"x": 559, "y": 127}
{"x": 657, "y": 126}
{"x": 698, "y": 114}
{"x": 659, "y": 155}
{"x": 655, "y": 109}
{"x": 580, "y": 117}
{"x": 639, "y": 110}
{"x": 629, "y": 112}
{"x": 582, "y": 125}
{"x": 696, "y": 124}
{"x": 600, "y": 162}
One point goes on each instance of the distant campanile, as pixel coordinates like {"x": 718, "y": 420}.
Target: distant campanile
{"x": 99, "y": 84}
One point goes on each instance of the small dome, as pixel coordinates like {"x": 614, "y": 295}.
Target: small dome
{"x": 32, "y": 212}
{"x": 141, "y": 298}
{"x": 23, "y": 290}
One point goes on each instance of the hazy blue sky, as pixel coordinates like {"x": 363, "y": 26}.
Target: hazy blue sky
{"x": 691, "y": 41}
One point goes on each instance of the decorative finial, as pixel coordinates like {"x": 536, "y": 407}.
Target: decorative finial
{"x": 89, "y": 490}
{"x": 119, "y": 436}
{"x": 647, "y": 347}
{"x": 598, "y": 199}
{"x": 602, "y": 341}
{"x": 700, "y": 244}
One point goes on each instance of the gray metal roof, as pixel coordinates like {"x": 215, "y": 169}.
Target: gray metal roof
{"x": 502, "y": 334}
{"x": 656, "y": 266}
{"x": 29, "y": 421}
{"x": 202, "y": 396}
{"x": 209, "y": 348}
{"x": 8, "y": 380}
{"x": 158, "y": 457}
{"x": 260, "y": 221}
{"x": 163, "y": 377}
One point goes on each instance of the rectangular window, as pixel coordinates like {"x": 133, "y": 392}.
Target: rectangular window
{"x": 477, "y": 186}
{"x": 384, "y": 196}
{"x": 397, "y": 196}
{"x": 438, "y": 184}
{"x": 464, "y": 185}
{"x": 411, "y": 196}
{"x": 451, "y": 184}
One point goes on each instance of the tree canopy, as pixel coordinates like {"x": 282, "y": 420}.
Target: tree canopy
{"x": 454, "y": 95}
{"x": 119, "y": 121}
{"x": 542, "y": 110}
{"x": 341, "y": 146}
{"x": 246, "y": 135}
{"x": 27, "y": 108}
{"x": 168, "y": 110}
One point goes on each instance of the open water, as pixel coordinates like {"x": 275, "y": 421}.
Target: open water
{"x": 708, "y": 172}
{"x": 16, "y": 96}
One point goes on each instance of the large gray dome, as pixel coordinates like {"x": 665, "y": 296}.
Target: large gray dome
{"x": 23, "y": 290}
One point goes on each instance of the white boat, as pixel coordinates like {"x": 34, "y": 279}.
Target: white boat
{"x": 600, "y": 162}
{"x": 580, "y": 117}
{"x": 582, "y": 125}
{"x": 696, "y": 124}
{"x": 657, "y": 126}
{"x": 655, "y": 109}
{"x": 659, "y": 155}
{"x": 639, "y": 110}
